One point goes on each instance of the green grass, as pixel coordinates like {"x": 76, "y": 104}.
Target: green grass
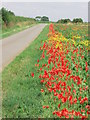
{"x": 15, "y": 29}
{"x": 21, "y": 93}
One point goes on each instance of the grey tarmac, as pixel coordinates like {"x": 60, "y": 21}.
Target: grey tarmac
{"x": 15, "y": 44}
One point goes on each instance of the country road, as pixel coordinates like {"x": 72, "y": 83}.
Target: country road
{"x": 15, "y": 44}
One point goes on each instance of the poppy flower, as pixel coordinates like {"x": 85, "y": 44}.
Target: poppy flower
{"x": 47, "y": 106}
{"x": 75, "y": 100}
{"x": 32, "y": 74}
{"x": 42, "y": 90}
{"x": 38, "y": 60}
{"x": 62, "y": 74}
{"x": 44, "y": 106}
{"x": 59, "y": 105}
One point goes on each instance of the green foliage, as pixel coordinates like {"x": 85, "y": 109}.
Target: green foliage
{"x": 44, "y": 18}
{"x": 9, "y": 18}
{"x": 64, "y": 21}
{"x": 77, "y": 20}
{"x": 0, "y": 18}
{"x": 38, "y": 18}
{"x": 21, "y": 93}
{"x": 73, "y": 31}
{"x": 11, "y": 13}
{"x": 11, "y": 24}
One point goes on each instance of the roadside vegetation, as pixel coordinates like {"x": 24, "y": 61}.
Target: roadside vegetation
{"x": 21, "y": 92}
{"x": 64, "y": 75}
{"x": 12, "y": 24}
{"x": 50, "y": 78}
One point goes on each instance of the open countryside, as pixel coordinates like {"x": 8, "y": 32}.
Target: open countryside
{"x": 45, "y": 70}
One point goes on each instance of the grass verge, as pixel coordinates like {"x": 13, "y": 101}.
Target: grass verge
{"x": 21, "y": 93}
{"x": 13, "y": 30}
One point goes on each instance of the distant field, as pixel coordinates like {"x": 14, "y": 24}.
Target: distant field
{"x": 73, "y": 31}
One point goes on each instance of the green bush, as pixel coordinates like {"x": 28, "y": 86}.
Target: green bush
{"x": 64, "y": 21}
{"x": 44, "y": 18}
{"x": 77, "y": 20}
{"x": 8, "y": 18}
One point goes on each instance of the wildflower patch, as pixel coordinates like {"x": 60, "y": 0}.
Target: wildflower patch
{"x": 63, "y": 73}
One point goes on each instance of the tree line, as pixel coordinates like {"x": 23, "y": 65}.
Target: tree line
{"x": 8, "y": 18}
{"x": 45, "y": 18}
{"x": 75, "y": 20}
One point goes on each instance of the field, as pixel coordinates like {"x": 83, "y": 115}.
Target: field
{"x": 50, "y": 78}
{"x": 64, "y": 74}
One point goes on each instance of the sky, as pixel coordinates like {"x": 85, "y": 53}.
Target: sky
{"x": 54, "y": 10}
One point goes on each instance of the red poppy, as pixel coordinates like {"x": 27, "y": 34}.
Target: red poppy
{"x": 37, "y": 60}
{"x": 42, "y": 90}
{"x": 75, "y": 100}
{"x": 59, "y": 105}
{"x": 47, "y": 106}
{"x": 32, "y": 74}
{"x": 44, "y": 106}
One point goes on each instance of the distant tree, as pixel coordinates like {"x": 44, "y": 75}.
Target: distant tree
{"x": 68, "y": 20}
{"x": 7, "y": 16}
{"x": 38, "y": 18}
{"x": 64, "y": 21}
{"x": 77, "y": 20}
{"x": 44, "y": 18}
{"x": 61, "y": 21}
{"x": 10, "y": 12}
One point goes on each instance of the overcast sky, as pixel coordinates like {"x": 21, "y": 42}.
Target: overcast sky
{"x": 54, "y": 10}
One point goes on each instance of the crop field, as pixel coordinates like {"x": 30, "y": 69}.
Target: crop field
{"x": 50, "y": 79}
{"x": 63, "y": 72}
{"x": 79, "y": 31}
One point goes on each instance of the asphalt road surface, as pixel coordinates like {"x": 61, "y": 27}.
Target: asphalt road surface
{"x": 15, "y": 44}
